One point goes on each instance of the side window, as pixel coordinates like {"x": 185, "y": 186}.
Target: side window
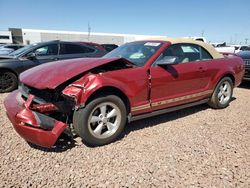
{"x": 191, "y": 52}
{"x": 174, "y": 50}
{"x": 51, "y": 49}
{"x": 13, "y": 47}
{"x": 185, "y": 53}
{"x": 74, "y": 49}
{"x": 205, "y": 55}
{"x": 88, "y": 50}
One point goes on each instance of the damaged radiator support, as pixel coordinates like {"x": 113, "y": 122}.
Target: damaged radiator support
{"x": 49, "y": 105}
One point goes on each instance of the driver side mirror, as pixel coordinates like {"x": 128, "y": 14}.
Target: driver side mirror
{"x": 168, "y": 60}
{"x": 31, "y": 56}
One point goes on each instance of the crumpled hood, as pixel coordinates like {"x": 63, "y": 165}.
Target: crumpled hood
{"x": 51, "y": 75}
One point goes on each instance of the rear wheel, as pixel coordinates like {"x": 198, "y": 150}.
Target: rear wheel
{"x": 101, "y": 121}
{"x": 8, "y": 81}
{"x": 222, "y": 94}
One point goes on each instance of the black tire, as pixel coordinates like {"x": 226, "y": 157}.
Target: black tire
{"x": 215, "y": 101}
{"x": 8, "y": 81}
{"x": 85, "y": 128}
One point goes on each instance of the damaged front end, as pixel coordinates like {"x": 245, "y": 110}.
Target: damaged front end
{"x": 39, "y": 116}
{"x": 40, "y": 113}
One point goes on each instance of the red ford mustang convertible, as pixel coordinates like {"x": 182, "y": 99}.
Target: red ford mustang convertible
{"x": 94, "y": 98}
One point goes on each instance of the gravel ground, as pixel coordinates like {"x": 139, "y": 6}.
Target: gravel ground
{"x": 195, "y": 147}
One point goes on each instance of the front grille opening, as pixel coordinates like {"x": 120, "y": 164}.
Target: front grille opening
{"x": 65, "y": 105}
{"x": 45, "y": 95}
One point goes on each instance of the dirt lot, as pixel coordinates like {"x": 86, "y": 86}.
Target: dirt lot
{"x": 195, "y": 147}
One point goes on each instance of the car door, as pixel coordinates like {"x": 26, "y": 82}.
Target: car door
{"x": 39, "y": 55}
{"x": 74, "y": 50}
{"x": 46, "y": 53}
{"x": 179, "y": 83}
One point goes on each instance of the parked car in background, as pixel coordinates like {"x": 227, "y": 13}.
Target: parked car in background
{"x": 95, "y": 45}
{"x": 8, "y": 48}
{"x": 245, "y": 55}
{"x": 95, "y": 97}
{"x": 217, "y": 44}
{"x": 223, "y": 48}
{"x": 36, "y": 54}
{"x": 239, "y": 48}
{"x": 203, "y": 39}
{"x": 109, "y": 47}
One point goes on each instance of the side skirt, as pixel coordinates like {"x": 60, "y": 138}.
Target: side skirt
{"x": 163, "y": 111}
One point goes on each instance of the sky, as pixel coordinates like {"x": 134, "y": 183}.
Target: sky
{"x": 217, "y": 20}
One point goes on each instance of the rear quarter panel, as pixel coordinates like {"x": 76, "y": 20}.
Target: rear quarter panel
{"x": 231, "y": 65}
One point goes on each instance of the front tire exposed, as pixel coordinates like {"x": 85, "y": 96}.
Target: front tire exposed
{"x": 222, "y": 94}
{"x": 101, "y": 121}
{"x": 8, "y": 81}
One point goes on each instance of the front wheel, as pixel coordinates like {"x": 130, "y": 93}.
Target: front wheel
{"x": 8, "y": 81}
{"x": 101, "y": 121}
{"x": 222, "y": 94}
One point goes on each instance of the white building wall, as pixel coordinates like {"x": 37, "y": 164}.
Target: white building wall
{"x": 5, "y": 37}
{"x": 33, "y": 36}
{"x": 30, "y": 37}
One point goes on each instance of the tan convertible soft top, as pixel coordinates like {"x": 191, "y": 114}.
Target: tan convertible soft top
{"x": 208, "y": 47}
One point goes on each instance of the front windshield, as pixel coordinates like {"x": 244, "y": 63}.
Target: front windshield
{"x": 21, "y": 50}
{"x": 136, "y": 52}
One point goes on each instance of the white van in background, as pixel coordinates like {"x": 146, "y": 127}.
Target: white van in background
{"x": 239, "y": 48}
{"x": 223, "y": 48}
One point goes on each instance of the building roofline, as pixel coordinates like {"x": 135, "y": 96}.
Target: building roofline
{"x": 84, "y": 33}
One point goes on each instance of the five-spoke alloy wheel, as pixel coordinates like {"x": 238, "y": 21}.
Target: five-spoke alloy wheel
{"x": 222, "y": 94}
{"x": 101, "y": 121}
{"x": 104, "y": 120}
{"x": 225, "y": 92}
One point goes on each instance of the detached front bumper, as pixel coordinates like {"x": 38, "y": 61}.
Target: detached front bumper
{"x": 34, "y": 127}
